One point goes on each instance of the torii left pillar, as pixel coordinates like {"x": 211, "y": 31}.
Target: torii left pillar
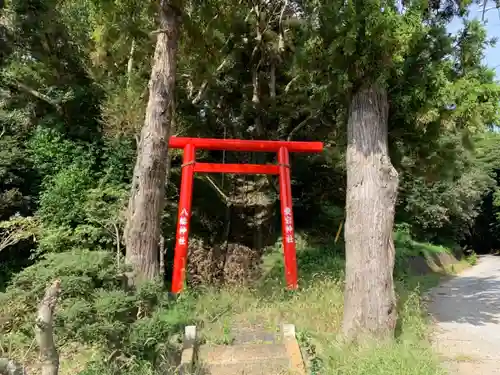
{"x": 183, "y": 218}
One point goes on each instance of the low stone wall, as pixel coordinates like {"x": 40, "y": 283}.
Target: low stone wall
{"x": 432, "y": 262}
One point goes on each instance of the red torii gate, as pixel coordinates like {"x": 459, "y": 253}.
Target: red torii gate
{"x": 190, "y": 166}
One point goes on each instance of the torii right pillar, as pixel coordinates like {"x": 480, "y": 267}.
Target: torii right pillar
{"x": 287, "y": 228}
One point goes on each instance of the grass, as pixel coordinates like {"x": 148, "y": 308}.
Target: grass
{"x": 315, "y": 309}
{"x": 74, "y": 356}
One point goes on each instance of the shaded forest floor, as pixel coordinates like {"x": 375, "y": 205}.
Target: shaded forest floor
{"x": 100, "y": 332}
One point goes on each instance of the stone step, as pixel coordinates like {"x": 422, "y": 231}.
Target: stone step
{"x": 256, "y": 352}
{"x": 256, "y": 335}
{"x": 227, "y": 354}
{"x": 270, "y": 367}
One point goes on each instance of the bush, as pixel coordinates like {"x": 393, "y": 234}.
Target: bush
{"x": 96, "y": 219}
{"x": 80, "y": 272}
{"x": 94, "y": 307}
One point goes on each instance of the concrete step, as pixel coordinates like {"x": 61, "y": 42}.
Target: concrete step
{"x": 227, "y": 354}
{"x": 256, "y": 335}
{"x": 255, "y": 352}
{"x": 270, "y": 367}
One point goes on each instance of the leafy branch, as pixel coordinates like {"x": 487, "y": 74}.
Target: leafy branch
{"x": 17, "y": 229}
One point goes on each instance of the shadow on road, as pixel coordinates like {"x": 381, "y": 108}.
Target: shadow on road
{"x": 472, "y": 299}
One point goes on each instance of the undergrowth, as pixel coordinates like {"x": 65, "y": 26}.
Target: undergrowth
{"x": 103, "y": 329}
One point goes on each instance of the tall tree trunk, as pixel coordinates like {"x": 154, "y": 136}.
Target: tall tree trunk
{"x": 372, "y": 185}
{"x": 142, "y": 231}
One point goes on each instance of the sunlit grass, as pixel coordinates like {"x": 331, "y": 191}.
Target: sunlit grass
{"x": 316, "y": 310}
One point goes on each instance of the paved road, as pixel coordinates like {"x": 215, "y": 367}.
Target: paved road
{"x": 467, "y": 314}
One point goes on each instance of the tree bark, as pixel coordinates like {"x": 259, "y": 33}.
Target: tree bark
{"x": 10, "y": 367}
{"x": 118, "y": 247}
{"x": 372, "y": 185}
{"x": 44, "y": 327}
{"x": 44, "y": 330}
{"x": 142, "y": 230}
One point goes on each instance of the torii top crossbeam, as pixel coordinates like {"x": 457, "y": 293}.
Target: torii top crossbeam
{"x": 245, "y": 145}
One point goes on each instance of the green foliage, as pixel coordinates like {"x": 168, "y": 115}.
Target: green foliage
{"x": 18, "y": 178}
{"x": 79, "y": 206}
{"x": 52, "y": 152}
{"x": 94, "y": 308}
{"x": 72, "y": 100}
{"x": 80, "y": 271}
{"x": 472, "y": 259}
{"x": 61, "y": 204}
{"x": 17, "y": 229}
{"x": 93, "y": 217}
{"x": 119, "y": 154}
{"x": 407, "y": 248}
{"x": 101, "y": 367}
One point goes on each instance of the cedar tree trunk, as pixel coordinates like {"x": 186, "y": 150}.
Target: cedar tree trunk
{"x": 372, "y": 185}
{"x": 142, "y": 231}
